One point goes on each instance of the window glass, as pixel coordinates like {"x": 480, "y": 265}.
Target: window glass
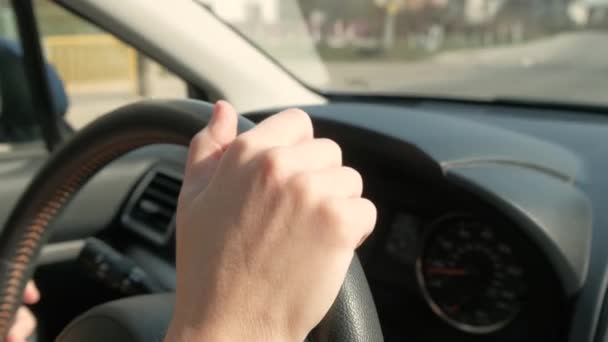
{"x": 550, "y": 51}
{"x": 94, "y": 72}
{"x": 8, "y": 28}
{"x": 15, "y": 123}
{"x": 100, "y": 73}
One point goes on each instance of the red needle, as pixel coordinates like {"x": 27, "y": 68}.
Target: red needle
{"x": 447, "y": 271}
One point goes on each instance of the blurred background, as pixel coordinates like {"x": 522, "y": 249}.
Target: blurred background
{"x": 547, "y": 50}
{"x": 409, "y": 29}
{"x": 100, "y": 72}
{"x": 460, "y": 48}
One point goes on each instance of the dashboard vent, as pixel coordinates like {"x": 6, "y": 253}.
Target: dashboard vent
{"x": 151, "y": 210}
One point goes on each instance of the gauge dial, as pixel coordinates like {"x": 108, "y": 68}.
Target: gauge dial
{"x": 470, "y": 276}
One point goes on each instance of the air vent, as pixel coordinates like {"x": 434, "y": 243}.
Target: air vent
{"x": 151, "y": 210}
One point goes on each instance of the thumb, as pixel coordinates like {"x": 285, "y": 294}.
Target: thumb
{"x": 207, "y": 146}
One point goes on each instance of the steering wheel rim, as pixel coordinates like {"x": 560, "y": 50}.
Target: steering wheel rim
{"x": 91, "y": 149}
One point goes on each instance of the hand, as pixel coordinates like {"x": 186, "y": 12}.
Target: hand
{"x": 25, "y": 322}
{"x": 267, "y": 224}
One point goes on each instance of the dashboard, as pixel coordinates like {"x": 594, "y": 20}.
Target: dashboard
{"x": 490, "y": 218}
{"x": 445, "y": 265}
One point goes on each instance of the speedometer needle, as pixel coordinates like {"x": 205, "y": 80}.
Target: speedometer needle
{"x": 447, "y": 271}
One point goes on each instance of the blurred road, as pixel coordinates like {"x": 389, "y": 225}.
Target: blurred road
{"x": 571, "y": 67}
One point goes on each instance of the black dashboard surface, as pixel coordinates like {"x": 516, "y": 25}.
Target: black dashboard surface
{"x": 540, "y": 173}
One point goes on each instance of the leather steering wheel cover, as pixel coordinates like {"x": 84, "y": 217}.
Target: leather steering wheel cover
{"x": 111, "y": 136}
{"x": 353, "y": 315}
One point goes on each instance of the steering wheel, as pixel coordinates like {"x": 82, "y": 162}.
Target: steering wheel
{"x": 353, "y": 316}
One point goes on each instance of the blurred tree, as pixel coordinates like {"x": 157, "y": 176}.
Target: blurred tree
{"x": 345, "y": 10}
{"x": 392, "y": 9}
{"x": 338, "y": 9}
{"x": 54, "y": 20}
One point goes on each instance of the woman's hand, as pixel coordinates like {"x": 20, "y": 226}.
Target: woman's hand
{"x": 267, "y": 225}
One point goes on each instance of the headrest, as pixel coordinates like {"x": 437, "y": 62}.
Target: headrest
{"x": 16, "y": 103}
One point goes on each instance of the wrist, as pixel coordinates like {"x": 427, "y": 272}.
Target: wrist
{"x": 183, "y": 332}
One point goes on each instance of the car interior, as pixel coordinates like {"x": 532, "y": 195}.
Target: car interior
{"x": 492, "y": 215}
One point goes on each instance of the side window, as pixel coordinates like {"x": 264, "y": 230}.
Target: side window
{"x": 99, "y": 72}
{"x": 15, "y": 102}
{"x": 92, "y": 72}
{"x": 8, "y": 28}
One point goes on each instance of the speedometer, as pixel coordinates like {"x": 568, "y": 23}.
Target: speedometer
{"x": 469, "y": 274}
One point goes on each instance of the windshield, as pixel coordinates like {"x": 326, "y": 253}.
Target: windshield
{"x": 548, "y": 50}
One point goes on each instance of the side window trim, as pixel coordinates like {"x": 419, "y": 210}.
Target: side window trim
{"x": 36, "y": 73}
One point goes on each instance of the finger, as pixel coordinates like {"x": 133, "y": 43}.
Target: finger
{"x": 31, "y": 295}
{"x": 359, "y": 218}
{"x": 334, "y": 183}
{"x": 286, "y": 128}
{"x": 310, "y": 155}
{"x": 207, "y": 146}
{"x": 24, "y": 326}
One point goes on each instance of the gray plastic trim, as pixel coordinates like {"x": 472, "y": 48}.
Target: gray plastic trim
{"x": 553, "y": 213}
{"x": 60, "y": 252}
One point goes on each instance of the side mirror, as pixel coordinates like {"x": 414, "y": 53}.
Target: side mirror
{"x": 17, "y": 106}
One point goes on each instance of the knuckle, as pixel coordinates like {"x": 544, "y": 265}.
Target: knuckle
{"x": 370, "y": 214}
{"x": 198, "y": 139}
{"x": 343, "y": 235}
{"x": 296, "y": 112}
{"x": 372, "y": 210}
{"x": 302, "y": 118}
{"x": 241, "y": 145}
{"x": 333, "y": 219}
{"x": 330, "y": 143}
{"x": 332, "y": 147}
{"x": 301, "y": 187}
{"x": 272, "y": 165}
{"x": 357, "y": 179}
{"x": 346, "y": 224}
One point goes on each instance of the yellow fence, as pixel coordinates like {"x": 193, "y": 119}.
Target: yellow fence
{"x": 92, "y": 59}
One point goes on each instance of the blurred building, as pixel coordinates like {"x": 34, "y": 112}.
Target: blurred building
{"x": 589, "y": 13}
{"x": 481, "y": 11}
